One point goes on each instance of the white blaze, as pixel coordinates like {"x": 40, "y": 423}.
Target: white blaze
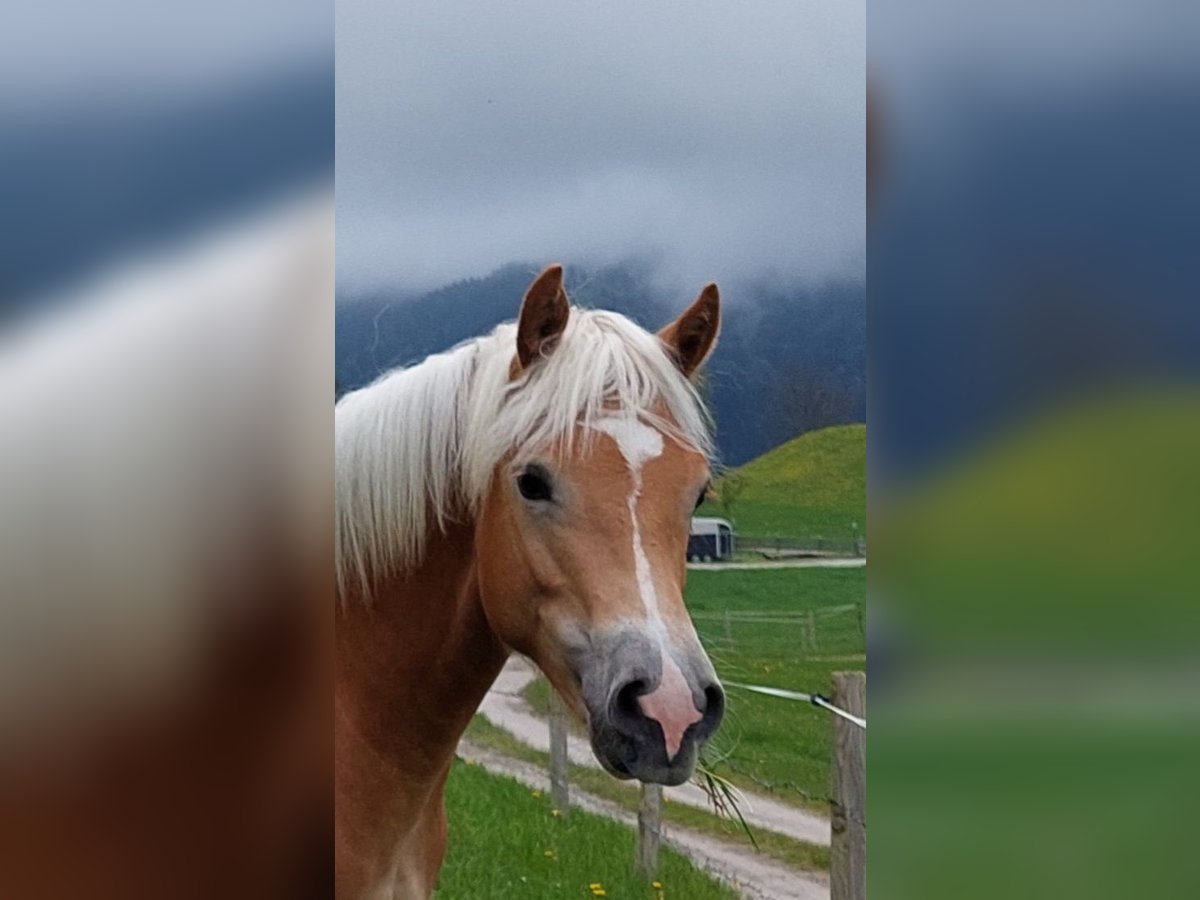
{"x": 671, "y": 702}
{"x": 636, "y": 440}
{"x": 638, "y": 443}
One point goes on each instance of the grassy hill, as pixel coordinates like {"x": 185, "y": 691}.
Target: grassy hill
{"x": 812, "y": 485}
{"x": 1078, "y": 527}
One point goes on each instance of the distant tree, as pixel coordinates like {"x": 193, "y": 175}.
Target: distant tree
{"x": 806, "y": 400}
{"x": 728, "y": 489}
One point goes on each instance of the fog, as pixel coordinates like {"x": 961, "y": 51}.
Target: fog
{"x": 717, "y": 141}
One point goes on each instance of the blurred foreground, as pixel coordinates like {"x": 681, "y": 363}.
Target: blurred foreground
{"x": 1037, "y": 733}
{"x": 166, "y": 284}
{"x": 1035, "y": 434}
{"x": 165, "y": 564}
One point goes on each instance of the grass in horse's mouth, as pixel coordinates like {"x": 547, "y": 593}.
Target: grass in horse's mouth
{"x": 724, "y": 797}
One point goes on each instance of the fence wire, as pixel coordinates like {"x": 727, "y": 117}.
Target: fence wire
{"x": 779, "y": 646}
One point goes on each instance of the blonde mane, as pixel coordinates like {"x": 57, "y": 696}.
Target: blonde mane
{"x": 418, "y": 446}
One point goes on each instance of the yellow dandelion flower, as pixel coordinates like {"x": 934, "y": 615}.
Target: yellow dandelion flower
{"x": 535, "y": 793}
{"x": 657, "y": 885}
{"x": 556, "y": 813}
{"x": 595, "y": 886}
{"x": 599, "y": 892}
{"x": 549, "y": 854}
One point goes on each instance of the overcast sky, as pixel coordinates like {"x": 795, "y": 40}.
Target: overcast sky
{"x": 121, "y": 53}
{"x": 721, "y": 140}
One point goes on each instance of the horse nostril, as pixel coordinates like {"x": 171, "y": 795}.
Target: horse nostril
{"x": 647, "y": 713}
{"x": 625, "y": 703}
{"x": 714, "y": 706}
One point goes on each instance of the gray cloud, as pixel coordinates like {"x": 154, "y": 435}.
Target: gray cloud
{"x": 721, "y": 140}
{"x": 123, "y": 53}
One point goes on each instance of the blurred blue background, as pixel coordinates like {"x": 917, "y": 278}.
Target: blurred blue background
{"x": 127, "y": 131}
{"x": 1032, "y": 242}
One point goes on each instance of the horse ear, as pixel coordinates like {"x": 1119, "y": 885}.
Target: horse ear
{"x": 691, "y": 337}
{"x": 544, "y": 313}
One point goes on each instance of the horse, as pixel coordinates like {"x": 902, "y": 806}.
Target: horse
{"x": 528, "y": 491}
{"x": 166, "y": 560}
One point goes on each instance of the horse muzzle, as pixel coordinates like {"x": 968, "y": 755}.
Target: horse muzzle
{"x": 651, "y": 710}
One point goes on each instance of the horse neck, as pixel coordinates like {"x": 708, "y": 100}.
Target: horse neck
{"x": 412, "y": 668}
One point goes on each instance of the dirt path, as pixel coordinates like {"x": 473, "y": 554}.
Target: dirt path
{"x": 506, "y": 708}
{"x": 753, "y": 876}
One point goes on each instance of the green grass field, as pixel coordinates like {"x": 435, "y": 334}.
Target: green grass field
{"x": 598, "y": 783}
{"x": 813, "y": 485}
{"x": 765, "y": 743}
{"x": 1041, "y": 575}
{"x": 505, "y": 842}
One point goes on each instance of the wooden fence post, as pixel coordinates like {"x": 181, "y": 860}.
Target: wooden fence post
{"x": 848, "y": 847}
{"x": 560, "y": 795}
{"x": 649, "y": 829}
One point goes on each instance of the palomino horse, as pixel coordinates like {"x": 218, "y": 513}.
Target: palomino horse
{"x": 528, "y": 491}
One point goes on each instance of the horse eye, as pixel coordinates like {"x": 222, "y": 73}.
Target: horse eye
{"x": 533, "y": 485}
{"x": 700, "y": 500}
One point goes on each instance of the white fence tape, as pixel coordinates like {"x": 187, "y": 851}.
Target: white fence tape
{"x": 814, "y": 699}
